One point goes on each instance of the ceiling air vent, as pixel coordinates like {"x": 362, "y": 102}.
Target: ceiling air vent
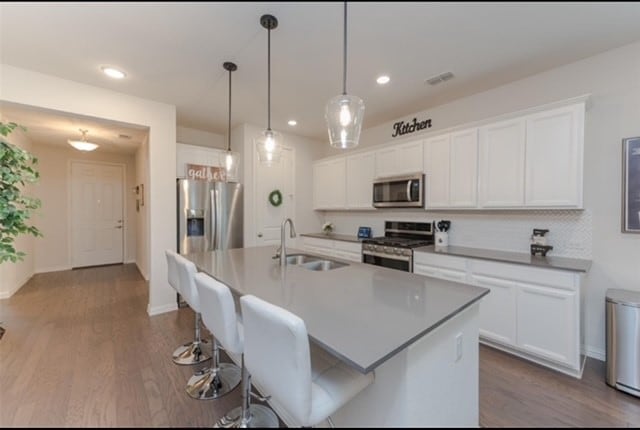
{"x": 124, "y": 136}
{"x": 439, "y": 78}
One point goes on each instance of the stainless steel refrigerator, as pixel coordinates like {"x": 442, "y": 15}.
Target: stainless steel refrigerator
{"x": 209, "y": 215}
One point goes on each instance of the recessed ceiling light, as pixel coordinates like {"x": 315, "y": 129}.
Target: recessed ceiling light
{"x": 383, "y": 79}
{"x": 113, "y": 72}
{"x": 292, "y": 122}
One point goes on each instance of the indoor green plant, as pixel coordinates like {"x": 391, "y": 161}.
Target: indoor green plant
{"x": 17, "y": 168}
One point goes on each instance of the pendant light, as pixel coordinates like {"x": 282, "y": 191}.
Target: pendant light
{"x": 229, "y": 159}
{"x": 344, "y": 113}
{"x": 269, "y": 143}
{"x": 83, "y": 145}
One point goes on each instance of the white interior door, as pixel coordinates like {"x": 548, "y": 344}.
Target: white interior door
{"x": 97, "y": 222}
{"x": 268, "y": 217}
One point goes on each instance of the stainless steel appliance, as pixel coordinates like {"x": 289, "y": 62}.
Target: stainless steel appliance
{"x": 209, "y": 215}
{"x": 399, "y": 192}
{"x": 622, "y": 315}
{"x": 395, "y": 248}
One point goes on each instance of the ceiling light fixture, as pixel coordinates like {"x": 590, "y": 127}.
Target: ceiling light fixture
{"x": 83, "y": 145}
{"x": 269, "y": 142}
{"x": 112, "y": 72}
{"x": 292, "y": 122}
{"x": 344, "y": 113}
{"x": 384, "y": 79}
{"x": 230, "y": 159}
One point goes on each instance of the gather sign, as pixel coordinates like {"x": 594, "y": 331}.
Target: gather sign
{"x": 400, "y": 128}
{"x": 206, "y": 173}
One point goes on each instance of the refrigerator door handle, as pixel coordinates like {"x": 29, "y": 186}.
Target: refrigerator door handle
{"x": 214, "y": 219}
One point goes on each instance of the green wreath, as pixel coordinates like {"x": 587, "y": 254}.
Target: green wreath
{"x": 275, "y": 198}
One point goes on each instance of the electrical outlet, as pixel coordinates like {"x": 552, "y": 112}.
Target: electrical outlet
{"x": 458, "y": 347}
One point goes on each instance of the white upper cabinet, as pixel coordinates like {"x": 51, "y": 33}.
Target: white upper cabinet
{"x": 533, "y": 161}
{"x": 450, "y": 162}
{"x": 360, "y": 174}
{"x": 501, "y": 175}
{"x": 463, "y": 174}
{"x": 554, "y": 157}
{"x": 399, "y": 159}
{"x": 436, "y": 162}
{"x": 329, "y": 184}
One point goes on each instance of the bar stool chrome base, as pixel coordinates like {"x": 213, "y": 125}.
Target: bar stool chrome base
{"x": 259, "y": 416}
{"x": 190, "y": 353}
{"x": 210, "y": 384}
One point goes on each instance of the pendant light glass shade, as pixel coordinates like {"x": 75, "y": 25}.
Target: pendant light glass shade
{"x": 83, "y": 145}
{"x": 269, "y": 143}
{"x": 269, "y": 147}
{"x": 229, "y": 159}
{"x": 344, "y": 113}
{"x": 344, "y": 116}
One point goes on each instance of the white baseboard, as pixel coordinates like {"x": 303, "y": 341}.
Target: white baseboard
{"x": 157, "y": 310}
{"x": 130, "y": 261}
{"x": 146, "y": 278}
{"x": 593, "y": 352}
{"x": 52, "y": 269}
{"x": 16, "y": 287}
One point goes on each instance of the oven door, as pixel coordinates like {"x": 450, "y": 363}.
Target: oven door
{"x": 404, "y": 263}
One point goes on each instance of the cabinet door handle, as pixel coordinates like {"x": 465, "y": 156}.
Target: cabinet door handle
{"x": 259, "y": 234}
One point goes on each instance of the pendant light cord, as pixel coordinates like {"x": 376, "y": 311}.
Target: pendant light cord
{"x": 344, "y": 60}
{"x": 229, "y": 125}
{"x": 269, "y": 79}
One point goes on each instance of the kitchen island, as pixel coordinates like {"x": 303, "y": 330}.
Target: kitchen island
{"x": 419, "y": 335}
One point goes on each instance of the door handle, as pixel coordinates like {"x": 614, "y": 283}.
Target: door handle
{"x": 118, "y": 226}
{"x": 120, "y": 221}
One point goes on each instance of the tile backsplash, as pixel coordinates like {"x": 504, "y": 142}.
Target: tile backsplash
{"x": 569, "y": 230}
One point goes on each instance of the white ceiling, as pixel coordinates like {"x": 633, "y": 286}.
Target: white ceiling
{"x": 173, "y": 52}
{"x": 47, "y": 127}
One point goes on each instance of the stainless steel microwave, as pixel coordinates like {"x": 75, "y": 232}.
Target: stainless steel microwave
{"x": 399, "y": 192}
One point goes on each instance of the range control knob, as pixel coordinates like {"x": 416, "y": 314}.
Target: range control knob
{"x": 397, "y": 251}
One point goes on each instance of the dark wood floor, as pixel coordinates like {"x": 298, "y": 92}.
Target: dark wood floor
{"x": 80, "y": 351}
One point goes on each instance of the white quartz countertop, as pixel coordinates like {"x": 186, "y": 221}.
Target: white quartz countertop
{"x": 361, "y": 313}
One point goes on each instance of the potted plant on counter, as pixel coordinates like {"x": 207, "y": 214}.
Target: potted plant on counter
{"x": 327, "y": 228}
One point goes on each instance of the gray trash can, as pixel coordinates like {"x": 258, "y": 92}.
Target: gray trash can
{"x": 622, "y": 315}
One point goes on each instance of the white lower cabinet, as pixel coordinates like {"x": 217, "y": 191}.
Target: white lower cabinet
{"x": 351, "y": 251}
{"x": 546, "y": 323}
{"x": 498, "y": 309}
{"x": 531, "y": 312}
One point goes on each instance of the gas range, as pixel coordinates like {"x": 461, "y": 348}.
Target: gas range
{"x": 395, "y": 248}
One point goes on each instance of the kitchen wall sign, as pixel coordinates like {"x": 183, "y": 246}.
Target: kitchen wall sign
{"x": 401, "y": 128}
{"x": 631, "y": 185}
{"x": 205, "y": 173}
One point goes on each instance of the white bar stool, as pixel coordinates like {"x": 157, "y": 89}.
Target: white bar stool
{"x": 219, "y": 312}
{"x": 191, "y": 352}
{"x": 215, "y": 381}
{"x": 309, "y": 384}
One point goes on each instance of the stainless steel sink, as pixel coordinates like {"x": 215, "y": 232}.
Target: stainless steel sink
{"x": 323, "y": 265}
{"x": 301, "y": 258}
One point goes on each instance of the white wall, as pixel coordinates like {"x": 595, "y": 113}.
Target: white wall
{"x": 15, "y": 275}
{"x": 36, "y": 89}
{"x": 613, "y": 112}
{"x": 193, "y": 136}
{"x": 306, "y": 150}
{"x": 142, "y": 215}
{"x": 53, "y": 249}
